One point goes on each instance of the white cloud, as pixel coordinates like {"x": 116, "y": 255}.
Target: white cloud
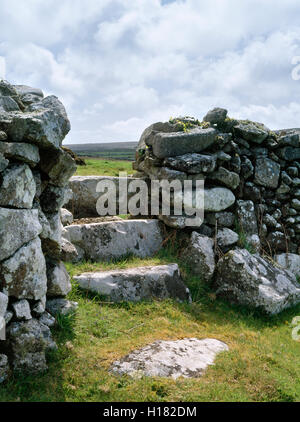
{"x": 119, "y": 65}
{"x": 47, "y": 22}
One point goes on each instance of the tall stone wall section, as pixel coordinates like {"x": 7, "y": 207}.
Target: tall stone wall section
{"x": 34, "y": 173}
{"x": 251, "y": 174}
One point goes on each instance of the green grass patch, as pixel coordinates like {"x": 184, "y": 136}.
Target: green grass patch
{"x": 262, "y": 364}
{"x": 103, "y": 167}
{"x": 243, "y": 241}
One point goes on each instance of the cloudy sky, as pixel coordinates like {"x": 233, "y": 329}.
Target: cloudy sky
{"x": 120, "y": 65}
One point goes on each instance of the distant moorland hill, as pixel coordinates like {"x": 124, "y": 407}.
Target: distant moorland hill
{"x": 113, "y": 150}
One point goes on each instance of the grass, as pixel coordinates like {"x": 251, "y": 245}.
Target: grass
{"x": 262, "y": 364}
{"x": 128, "y": 155}
{"x": 111, "y": 150}
{"x": 102, "y": 167}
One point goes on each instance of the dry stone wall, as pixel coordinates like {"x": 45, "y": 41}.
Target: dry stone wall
{"x": 247, "y": 247}
{"x": 251, "y": 174}
{"x": 34, "y": 173}
{"x": 84, "y": 194}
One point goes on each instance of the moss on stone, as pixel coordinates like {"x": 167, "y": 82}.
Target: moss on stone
{"x": 187, "y": 123}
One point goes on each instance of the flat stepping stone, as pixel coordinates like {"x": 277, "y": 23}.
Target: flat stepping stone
{"x": 136, "y": 284}
{"x": 114, "y": 239}
{"x": 186, "y": 358}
